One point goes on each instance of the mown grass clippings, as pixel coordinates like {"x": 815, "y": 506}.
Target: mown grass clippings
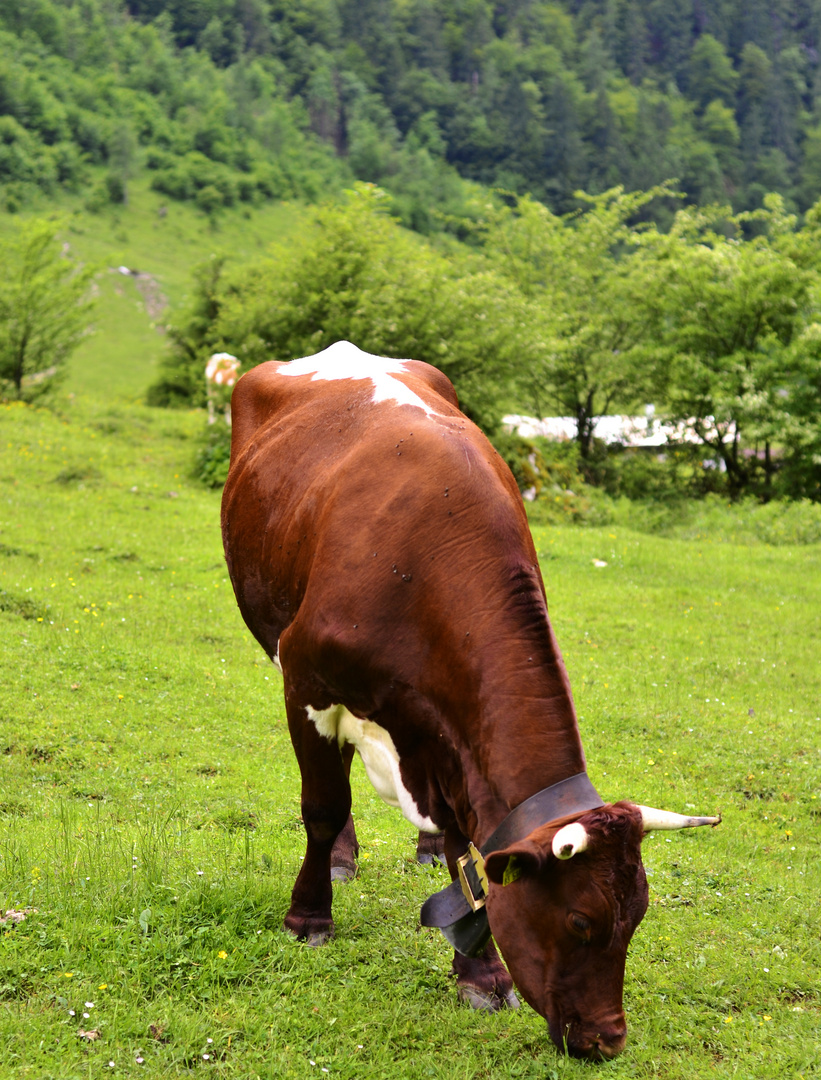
{"x": 143, "y": 732}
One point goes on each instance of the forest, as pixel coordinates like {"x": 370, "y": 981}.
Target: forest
{"x": 226, "y": 100}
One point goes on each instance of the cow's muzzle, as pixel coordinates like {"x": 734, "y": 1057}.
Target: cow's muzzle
{"x": 602, "y": 1043}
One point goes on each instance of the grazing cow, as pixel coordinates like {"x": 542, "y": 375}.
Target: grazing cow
{"x": 380, "y": 554}
{"x": 222, "y": 370}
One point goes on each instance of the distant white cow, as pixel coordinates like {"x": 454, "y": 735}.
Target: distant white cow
{"x": 221, "y": 370}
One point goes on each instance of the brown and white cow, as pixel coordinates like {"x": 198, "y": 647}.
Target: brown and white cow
{"x": 380, "y": 554}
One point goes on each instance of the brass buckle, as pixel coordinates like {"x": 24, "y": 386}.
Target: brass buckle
{"x": 473, "y": 878}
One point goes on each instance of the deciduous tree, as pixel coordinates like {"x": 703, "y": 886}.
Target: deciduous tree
{"x": 734, "y": 316}
{"x": 585, "y": 276}
{"x": 44, "y": 309}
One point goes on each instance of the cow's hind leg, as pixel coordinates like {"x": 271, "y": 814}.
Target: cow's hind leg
{"x": 326, "y": 813}
{"x": 430, "y": 848}
{"x": 483, "y": 981}
{"x": 345, "y": 852}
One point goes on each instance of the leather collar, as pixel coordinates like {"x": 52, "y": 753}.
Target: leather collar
{"x": 467, "y": 930}
{"x": 571, "y": 796}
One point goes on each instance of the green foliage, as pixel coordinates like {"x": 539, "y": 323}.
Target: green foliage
{"x": 214, "y": 455}
{"x": 44, "y": 309}
{"x": 357, "y": 276}
{"x": 524, "y": 460}
{"x": 102, "y": 89}
{"x": 192, "y": 341}
{"x": 732, "y": 315}
{"x": 585, "y": 277}
{"x": 115, "y": 188}
{"x": 295, "y": 99}
{"x": 580, "y": 315}
{"x": 779, "y": 523}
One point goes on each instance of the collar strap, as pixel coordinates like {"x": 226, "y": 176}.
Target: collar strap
{"x": 571, "y": 796}
{"x": 458, "y": 911}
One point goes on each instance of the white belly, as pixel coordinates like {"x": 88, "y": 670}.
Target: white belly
{"x": 376, "y": 748}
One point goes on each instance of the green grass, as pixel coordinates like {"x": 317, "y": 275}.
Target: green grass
{"x": 149, "y": 799}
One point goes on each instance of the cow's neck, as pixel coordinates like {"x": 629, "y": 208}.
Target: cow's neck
{"x": 528, "y": 734}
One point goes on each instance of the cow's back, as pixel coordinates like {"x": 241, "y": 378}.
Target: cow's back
{"x": 383, "y": 526}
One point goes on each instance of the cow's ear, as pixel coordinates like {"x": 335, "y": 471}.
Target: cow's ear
{"x": 505, "y": 867}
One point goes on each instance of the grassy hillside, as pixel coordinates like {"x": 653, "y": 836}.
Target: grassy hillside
{"x": 149, "y": 799}
{"x": 161, "y": 242}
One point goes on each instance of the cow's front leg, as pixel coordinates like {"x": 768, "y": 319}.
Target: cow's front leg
{"x": 326, "y": 810}
{"x": 483, "y": 981}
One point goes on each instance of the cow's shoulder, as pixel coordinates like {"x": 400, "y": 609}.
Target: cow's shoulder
{"x": 256, "y": 398}
{"x": 323, "y": 382}
{"x": 434, "y": 378}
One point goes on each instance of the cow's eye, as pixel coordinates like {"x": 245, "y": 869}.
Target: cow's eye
{"x": 579, "y": 925}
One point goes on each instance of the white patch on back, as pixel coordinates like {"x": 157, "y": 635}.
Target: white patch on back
{"x": 342, "y": 360}
{"x": 376, "y": 748}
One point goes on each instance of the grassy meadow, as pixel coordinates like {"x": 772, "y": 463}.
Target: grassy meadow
{"x": 149, "y": 800}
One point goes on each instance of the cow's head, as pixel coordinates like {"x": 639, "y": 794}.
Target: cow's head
{"x": 563, "y": 905}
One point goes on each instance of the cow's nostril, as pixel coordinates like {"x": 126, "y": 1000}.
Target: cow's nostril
{"x": 609, "y": 1045}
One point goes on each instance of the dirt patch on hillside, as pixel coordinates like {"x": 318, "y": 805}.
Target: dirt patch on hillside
{"x": 153, "y": 297}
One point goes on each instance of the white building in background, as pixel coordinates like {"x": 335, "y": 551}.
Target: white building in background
{"x": 636, "y": 432}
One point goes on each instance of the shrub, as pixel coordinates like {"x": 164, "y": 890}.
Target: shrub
{"x": 524, "y": 460}
{"x": 175, "y": 182}
{"x": 115, "y": 188}
{"x": 173, "y": 391}
{"x": 211, "y": 463}
{"x": 209, "y": 199}
{"x": 158, "y": 159}
{"x": 716, "y": 519}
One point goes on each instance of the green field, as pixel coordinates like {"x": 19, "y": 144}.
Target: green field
{"x": 149, "y": 799}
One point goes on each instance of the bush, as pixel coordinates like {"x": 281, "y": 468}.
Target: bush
{"x": 548, "y": 476}
{"x": 174, "y": 391}
{"x": 714, "y": 518}
{"x": 115, "y": 188}
{"x": 211, "y": 463}
{"x": 175, "y": 182}
{"x": 524, "y": 460}
{"x": 158, "y": 159}
{"x": 209, "y": 199}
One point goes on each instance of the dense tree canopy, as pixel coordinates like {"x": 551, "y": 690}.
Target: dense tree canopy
{"x": 706, "y": 303}
{"x": 362, "y": 278}
{"x": 735, "y": 336}
{"x": 588, "y": 284}
{"x": 269, "y": 98}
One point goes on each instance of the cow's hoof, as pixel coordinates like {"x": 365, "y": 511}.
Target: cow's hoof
{"x": 425, "y": 859}
{"x": 343, "y": 873}
{"x": 430, "y": 849}
{"x": 308, "y": 934}
{"x": 320, "y": 938}
{"x": 483, "y": 1001}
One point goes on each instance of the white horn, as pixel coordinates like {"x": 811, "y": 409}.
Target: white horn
{"x": 570, "y": 840}
{"x": 665, "y": 819}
